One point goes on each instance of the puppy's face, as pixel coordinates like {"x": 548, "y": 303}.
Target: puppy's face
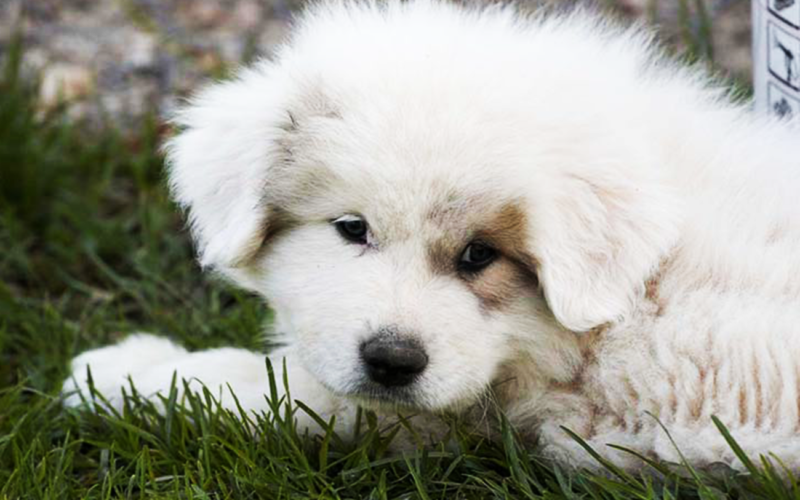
{"x": 418, "y": 230}
{"x": 402, "y": 291}
{"x": 399, "y": 304}
{"x": 397, "y": 258}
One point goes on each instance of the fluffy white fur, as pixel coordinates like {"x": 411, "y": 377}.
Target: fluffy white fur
{"x": 662, "y": 221}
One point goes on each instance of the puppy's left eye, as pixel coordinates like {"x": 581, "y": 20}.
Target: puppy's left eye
{"x": 352, "y": 228}
{"x": 476, "y": 257}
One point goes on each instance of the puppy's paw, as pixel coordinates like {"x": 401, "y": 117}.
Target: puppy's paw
{"x": 151, "y": 362}
{"x": 112, "y": 365}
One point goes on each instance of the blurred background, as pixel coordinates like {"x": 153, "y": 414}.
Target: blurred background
{"x": 126, "y": 57}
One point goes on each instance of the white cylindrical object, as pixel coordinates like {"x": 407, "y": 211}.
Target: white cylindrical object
{"x": 776, "y": 57}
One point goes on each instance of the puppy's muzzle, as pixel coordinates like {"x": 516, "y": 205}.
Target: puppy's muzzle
{"x": 393, "y": 361}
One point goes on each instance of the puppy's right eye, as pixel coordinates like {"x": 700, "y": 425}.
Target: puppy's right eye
{"x": 352, "y": 228}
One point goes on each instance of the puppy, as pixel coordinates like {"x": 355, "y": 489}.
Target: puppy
{"x": 442, "y": 202}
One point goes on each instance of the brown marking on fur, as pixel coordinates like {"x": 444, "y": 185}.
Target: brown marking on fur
{"x": 622, "y": 418}
{"x": 673, "y": 398}
{"x": 580, "y": 386}
{"x": 442, "y": 254}
{"x": 573, "y": 386}
{"x": 633, "y": 394}
{"x": 511, "y": 276}
{"x": 501, "y": 283}
{"x": 797, "y": 394}
{"x": 620, "y": 422}
{"x": 508, "y": 230}
{"x": 588, "y": 343}
{"x": 594, "y": 414}
{"x": 514, "y": 274}
{"x": 652, "y": 286}
{"x": 278, "y": 222}
{"x": 742, "y": 405}
{"x": 759, "y": 416}
{"x": 696, "y": 406}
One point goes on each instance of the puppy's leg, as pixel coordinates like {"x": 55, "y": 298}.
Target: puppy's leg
{"x": 112, "y": 365}
{"x": 151, "y": 362}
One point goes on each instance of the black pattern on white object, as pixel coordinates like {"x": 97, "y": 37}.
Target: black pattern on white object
{"x": 781, "y": 104}
{"x": 785, "y": 11}
{"x": 782, "y": 108}
{"x": 783, "y": 55}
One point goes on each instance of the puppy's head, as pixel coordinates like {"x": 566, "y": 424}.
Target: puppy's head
{"x": 421, "y": 210}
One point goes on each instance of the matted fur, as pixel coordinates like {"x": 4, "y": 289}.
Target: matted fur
{"x": 648, "y": 227}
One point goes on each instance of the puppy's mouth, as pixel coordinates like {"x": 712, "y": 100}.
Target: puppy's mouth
{"x": 375, "y": 396}
{"x": 370, "y": 395}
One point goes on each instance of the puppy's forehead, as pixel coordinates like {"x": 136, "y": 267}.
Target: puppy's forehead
{"x": 428, "y": 209}
{"x": 409, "y": 169}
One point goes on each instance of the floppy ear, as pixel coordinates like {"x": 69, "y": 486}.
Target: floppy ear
{"x": 221, "y": 163}
{"x": 598, "y": 241}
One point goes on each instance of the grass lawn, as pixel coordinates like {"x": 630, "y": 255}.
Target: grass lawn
{"x": 92, "y": 249}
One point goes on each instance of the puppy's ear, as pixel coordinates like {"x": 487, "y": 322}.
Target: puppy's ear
{"x": 598, "y": 242}
{"x": 222, "y": 161}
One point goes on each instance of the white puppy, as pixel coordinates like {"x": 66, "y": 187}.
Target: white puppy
{"x": 442, "y": 202}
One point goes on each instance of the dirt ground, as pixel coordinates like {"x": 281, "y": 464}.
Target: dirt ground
{"x": 121, "y": 58}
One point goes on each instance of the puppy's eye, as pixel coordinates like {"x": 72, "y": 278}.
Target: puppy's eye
{"x": 352, "y": 228}
{"x": 476, "y": 257}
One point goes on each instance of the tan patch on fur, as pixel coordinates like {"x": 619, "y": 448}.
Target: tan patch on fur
{"x": 672, "y": 401}
{"x": 696, "y": 405}
{"x": 797, "y": 387}
{"x": 589, "y": 343}
{"x": 759, "y": 400}
{"x": 589, "y": 340}
{"x": 277, "y": 222}
{"x": 580, "y": 387}
{"x": 512, "y": 275}
{"x": 742, "y": 405}
{"x": 594, "y": 414}
{"x": 652, "y": 286}
{"x": 502, "y": 283}
{"x": 631, "y": 392}
{"x": 452, "y": 218}
{"x": 442, "y": 254}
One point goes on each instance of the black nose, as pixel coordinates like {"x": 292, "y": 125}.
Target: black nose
{"x": 393, "y": 361}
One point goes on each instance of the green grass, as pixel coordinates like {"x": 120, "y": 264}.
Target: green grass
{"x": 91, "y": 249}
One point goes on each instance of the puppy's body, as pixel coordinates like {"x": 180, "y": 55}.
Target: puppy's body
{"x": 645, "y": 230}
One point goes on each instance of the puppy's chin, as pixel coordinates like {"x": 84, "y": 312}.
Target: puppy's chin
{"x": 381, "y": 399}
{"x": 411, "y": 398}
